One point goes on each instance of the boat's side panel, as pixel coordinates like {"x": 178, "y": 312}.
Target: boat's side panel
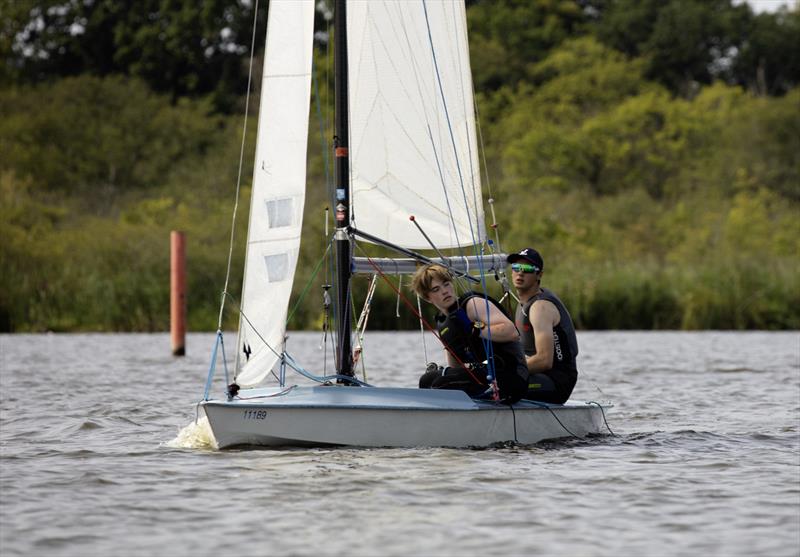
{"x": 373, "y": 427}
{"x": 554, "y": 422}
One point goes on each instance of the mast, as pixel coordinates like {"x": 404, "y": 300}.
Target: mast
{"x": 341, "y": 142}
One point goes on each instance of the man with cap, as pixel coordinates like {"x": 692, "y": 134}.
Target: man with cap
{"x": 546, "y": 329}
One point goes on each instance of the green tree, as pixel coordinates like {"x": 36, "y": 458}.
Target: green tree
{"x": 690, "y": 39}
{"x": 543, "y": 143}
{"x": 180, "y": 47}
{"x": 769, "y": 60}
{"x": 685, "y": 42}
{"x": 98, "y": 138}
{"x": 508, "y": 36}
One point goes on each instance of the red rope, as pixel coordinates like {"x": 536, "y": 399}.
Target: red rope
{"x": 429, "y": 326}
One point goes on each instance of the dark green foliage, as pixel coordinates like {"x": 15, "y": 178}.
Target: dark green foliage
{"x": 180, "y": 47}
{"x": 688, "y": 43}
{"x": 769, "y": 61}
{"x": 99, "y": 137}
{"x": 100, "y": 171}
{"x": 508, "y": 36}
{"x": 658, "y": 175}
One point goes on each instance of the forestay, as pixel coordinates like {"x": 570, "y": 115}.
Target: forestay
{"x": 412, "y": 126}
{"x": 278, "y": 195}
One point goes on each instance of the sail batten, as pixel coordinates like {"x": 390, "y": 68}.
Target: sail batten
{"x": 278, "y": 196}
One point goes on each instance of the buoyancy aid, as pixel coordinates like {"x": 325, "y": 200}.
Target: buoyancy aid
{"x": 565, "y": 348}
{"x": 456, "y": 331}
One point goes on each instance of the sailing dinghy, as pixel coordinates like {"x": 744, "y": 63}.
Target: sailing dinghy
{"x": 405, "y": 144}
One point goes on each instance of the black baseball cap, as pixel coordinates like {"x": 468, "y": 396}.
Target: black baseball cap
{"x": 528, "y": 254}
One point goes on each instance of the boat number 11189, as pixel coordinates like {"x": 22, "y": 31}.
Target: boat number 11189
{"x": 255, "y": 414}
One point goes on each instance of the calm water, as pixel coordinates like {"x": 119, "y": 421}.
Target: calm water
{"x": 99, "y": 456}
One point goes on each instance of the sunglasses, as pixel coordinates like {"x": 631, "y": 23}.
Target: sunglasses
{"x": 524, "y": 267}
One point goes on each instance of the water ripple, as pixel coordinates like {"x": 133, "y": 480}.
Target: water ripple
{"x": 704, "y": 460}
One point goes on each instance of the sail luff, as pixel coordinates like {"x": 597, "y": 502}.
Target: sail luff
{"x": 278, "y": 194}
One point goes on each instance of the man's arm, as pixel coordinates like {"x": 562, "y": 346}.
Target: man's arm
{"x": 543, "y": 317}
{"x": 502, "y": 329}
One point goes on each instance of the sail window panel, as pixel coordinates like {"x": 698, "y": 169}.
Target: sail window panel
{"x": 277, "y": 267}
{"x": 280, "y": 212}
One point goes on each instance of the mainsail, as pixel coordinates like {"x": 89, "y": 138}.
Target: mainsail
{"x": 278, "y": 196}
{"x": 412, "y": 126}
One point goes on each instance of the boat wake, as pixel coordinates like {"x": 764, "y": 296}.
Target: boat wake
{"x": 196, "y": 435}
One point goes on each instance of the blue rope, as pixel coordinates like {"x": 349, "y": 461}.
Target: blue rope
{"x": 444, "y": 189}
{"x": 291, "y": 362}
{"x": 447, "y": 117}
{"x": 478, "y": 251}
{"x": 213, "y": 365}
{"x": 224, "y": 358}
{"x": 488, "y": 347}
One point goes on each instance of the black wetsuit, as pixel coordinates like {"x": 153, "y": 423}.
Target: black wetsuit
{"x": 556, "y": 384}
{"x": 456, "y": 331}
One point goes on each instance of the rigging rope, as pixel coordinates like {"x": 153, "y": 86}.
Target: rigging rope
{"x": 291, "y": 362}
{"x": 449, "y": 122}
{"x": 433, "y": 147}
{"x": 600, "y": 406}
{"x": 361, "y": 327}
{"x": 326, "y": 304}
{"x": 213, "y": 365}
{"x": 241, "y": 163}
{"x": 326, "y": 162}
{"x": 546, "y": 406}
{"x": 482, "y": 150}
{"x": 422, "y": 331}
{"x": 348, "y": 300}
{"x": 478, "y": 251}
{"x": 397, "y": 305}
{"x": 422, "y": 319}
{"x": 308, "y": 283}
{"x": 444, "y": 190}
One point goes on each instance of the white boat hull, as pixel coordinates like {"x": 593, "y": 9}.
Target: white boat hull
{"x": 390, "y": 417}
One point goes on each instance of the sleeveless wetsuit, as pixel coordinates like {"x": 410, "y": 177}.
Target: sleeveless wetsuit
{"x": 455, "y": 330}
{"x": 556, "y": 384}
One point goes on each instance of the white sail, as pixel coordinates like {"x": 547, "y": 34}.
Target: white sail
{"x": 413, "y": 149}
{"x": 278, "y": 196}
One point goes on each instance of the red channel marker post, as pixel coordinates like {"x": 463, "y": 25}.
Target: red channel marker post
{"x": 178, "y": 292}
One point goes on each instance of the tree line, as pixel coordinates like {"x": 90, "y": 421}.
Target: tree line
{"x": 650, "y": 149}
{"x": 183, "y": 48}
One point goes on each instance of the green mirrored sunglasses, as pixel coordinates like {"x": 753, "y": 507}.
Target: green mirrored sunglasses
{"x": 524, "y": 267}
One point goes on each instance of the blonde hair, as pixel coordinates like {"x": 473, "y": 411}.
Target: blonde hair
{"x": 422, "y": 279}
